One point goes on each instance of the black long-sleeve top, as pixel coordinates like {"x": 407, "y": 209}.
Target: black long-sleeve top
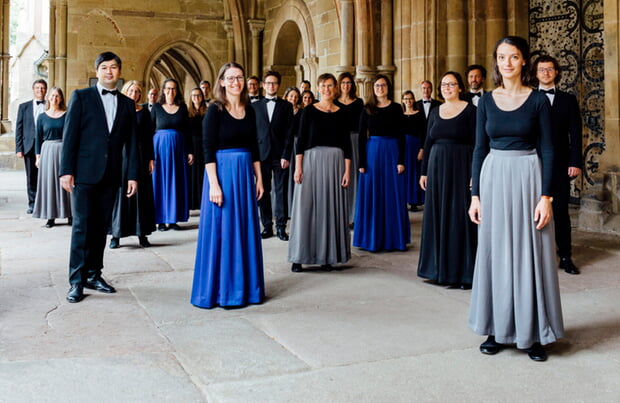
{"x": 386, "y": 122}
{"x": 220, "y": 131}
{"x": 415, "y": 125}
{"x": 353, "y": 112}
{"x": 195, "y": 125}
{"x": 460, "y": 129}
{"x": 48, "y": 128}
{"x": 526, "y": 128}
{"x": 145, "y": 135}
{"x": 178, "y": 121}
{"x": 318, "y": 128}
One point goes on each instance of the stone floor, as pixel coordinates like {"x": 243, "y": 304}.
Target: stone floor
{"x": 370, "y": 332}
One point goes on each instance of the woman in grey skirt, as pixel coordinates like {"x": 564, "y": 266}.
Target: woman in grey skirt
{"x": 319, "y": 213}
{"x": 515, "y": 297}
{"x": 52, "y": 201}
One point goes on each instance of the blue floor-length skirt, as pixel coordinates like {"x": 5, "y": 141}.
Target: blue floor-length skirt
{"x": 170, "y": 178}
{"x": 229, "y": 257}
{"x": 515, "y": 295}
{"x": 381, "y": 218}
{"x": 413, "y": 192}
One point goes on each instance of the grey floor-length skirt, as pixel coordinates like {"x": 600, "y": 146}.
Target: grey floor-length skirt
{"x": 319, "y": 215}
{"x": 352, "y": 188}
{"x": 52, "y": 201}
{"x": 515, "y": 293}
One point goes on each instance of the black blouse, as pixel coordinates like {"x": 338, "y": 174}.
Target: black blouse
{"x": 386, "y": 122}
{"x": 318, "y": 128}
{"x": 415, "y": 125}
{"x": 178, "y": 121}
{"x": 48, "y": 128}
{"x": 353, "y": 112}
{"x": 526, "y": 128}
{"x": 220, "y": 131}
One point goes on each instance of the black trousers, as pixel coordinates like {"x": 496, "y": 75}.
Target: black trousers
{"x": 92, "y": 207}
{"x": 280, "y": 187}
{"x": 32, "y": 173}
{"x": 561, "y": 217}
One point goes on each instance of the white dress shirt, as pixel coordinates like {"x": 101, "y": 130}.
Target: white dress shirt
{"x": 550, "y": 96}
{"x": 110, "y": 103}
{"x": 37, "y": 109}
{"x": 270, "y": 106}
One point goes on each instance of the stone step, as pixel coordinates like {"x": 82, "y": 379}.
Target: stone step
{"x": 8, "y": 160}
{"x": 7, "y": 142}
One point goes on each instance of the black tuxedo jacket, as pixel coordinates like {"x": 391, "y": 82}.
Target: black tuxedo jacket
{"x": 434, "y": 104}
{"x": 275, "y": 137}
{"x": 90, "y": 150}
{"x": 567, "y": 130}
{"x": 24, "y": 128}
{"x": 260, "y": 98}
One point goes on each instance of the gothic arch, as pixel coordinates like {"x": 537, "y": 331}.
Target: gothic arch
{"x": 295, "y": 14}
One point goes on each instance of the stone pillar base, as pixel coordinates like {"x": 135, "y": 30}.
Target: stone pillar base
{"x": 600, "y": 210}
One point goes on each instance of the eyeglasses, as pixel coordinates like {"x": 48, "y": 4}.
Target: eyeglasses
{"x": 271, "y": 83}
{"x": 546, "y": 69}
{"x": 346, "y": 83}
{"x": 407, "y": 99}
{"x": 451, "y": 85}
{"x": 380, "y": 85}
{"x": 232, "y": 79}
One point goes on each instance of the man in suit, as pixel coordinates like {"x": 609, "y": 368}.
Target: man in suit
{"x": 274, "y": 125}
{"x": 205, "y": 87}
{"x": 427, "y": 103}
{"x": 152, "y": 99}
{"x": 567, "y": 130}
{"x": 254, "y": 89}
{"x": 100, "y": 121}
{"x": 475, "y": 74}
{"x": 25, "y": 130}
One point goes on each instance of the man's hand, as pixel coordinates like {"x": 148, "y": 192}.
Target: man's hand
{"x": 132, "y": 188}
{"x": 284, "y": 163}
{"x": 20, "y": 154}
{"x": 67, "y": 183}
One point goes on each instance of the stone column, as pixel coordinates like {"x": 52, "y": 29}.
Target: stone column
{"x": 5, "y": 13}
{"x": 230, "y": 36}
{"x": 364, "y": 75}
{"x": 347, "y": 31}
{"x": 456, "y": 27}
{"x": 51, "y": 54}
{"x": 495, "y": 26}
{"x": 61, "y": 45}
{"x": 387, "y": 49}
{"x": 256, "y": 28}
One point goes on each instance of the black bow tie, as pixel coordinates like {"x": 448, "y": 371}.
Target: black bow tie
{"x": 551, "y": 91}
{"x": 40, "y": 102}
{"x": 252, "y": 97}
{"x": 111, "y": 92}
{"x": 270, "y": 100}
{"x": 476, "y": 94}
{"x": 426, "y": 102}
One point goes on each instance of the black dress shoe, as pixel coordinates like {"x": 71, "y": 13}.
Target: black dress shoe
{"x": 70, "y": 221}
{"x": 144, "y": 241}
{"x": 465, "y": 286}
{"x": 413, "y": 207}
{"x": 50, "y": 223}
{"x": 29, "y": 211}
{"x": 162, "y": 227}
{"x": 175, "y": 227}
{"x": 282, "y": 235}
{"x": 115, "y": 243}
{"x": 99, "y": 284}
{"x": 76, "y": 293}
{"x": 327, "y": 267}
{"x": 567, "y": 264}
{"x": 537, "y": 352}
{"x": 490, "y": 346}
{"x": 296, "y": 268}
{"x": 267, "y": 233}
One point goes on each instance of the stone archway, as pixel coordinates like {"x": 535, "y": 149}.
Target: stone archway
{"x": 292, "y": 46}
{"x": 181, "y": 60}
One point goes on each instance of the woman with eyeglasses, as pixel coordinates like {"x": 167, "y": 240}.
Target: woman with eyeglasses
{"x": 197, "y": 109}
{"x": 448, "y": 244}
{"x": 136, "y": 215}
{"x": 293, "y": 96}
{"x": 319, "y": 216}
{"x": 352, "y": 106}
{"x": 515, "y": 297}
{"x": 229, "y": 257}
{"x": 172, "y": 144}
{"x": 415, "y": 133}
{"x": 381, "y": 218}
{"x": 51, "y": 201}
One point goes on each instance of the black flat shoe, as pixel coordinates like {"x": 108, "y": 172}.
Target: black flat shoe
{"x": 70, "y": 221}
{"x": 162, "y": 227}
{"x": 537, "y": 352}
{"x": 567, "y": 264}
{"x": 99, "y": 284}
{"x": 144, "y": 242}
{"x": 296, "y": 268}
{"x": 175, "y": 227}
{"x": 327, "y": 267}
{"x": 75, "y": 294}
{"x": 465, "y": 286}
{"x": 115, "y": 243}
{"x": 490, "y": 346}
{"x": 50, "y": 223}
{"x": 413, "y": 208}
{"x": 267, "y": 233}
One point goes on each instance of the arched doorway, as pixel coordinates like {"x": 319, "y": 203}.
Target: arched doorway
{"x": 288, "y": 54}
{"x": 182, "y": 61}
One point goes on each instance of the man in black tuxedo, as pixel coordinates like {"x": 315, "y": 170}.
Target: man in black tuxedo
{"x": 427, "y": 103}
{"x": 274, "y": 125}
{"x": 152, "y": 99}
{"x": 205, "y": 87}
{"x": 25, "y": 130}
{"x": 100, "y": 121}
{"x": 475, "y": 74}
{"x": 567, "y": 131}
{"x": 254, "y": 94}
